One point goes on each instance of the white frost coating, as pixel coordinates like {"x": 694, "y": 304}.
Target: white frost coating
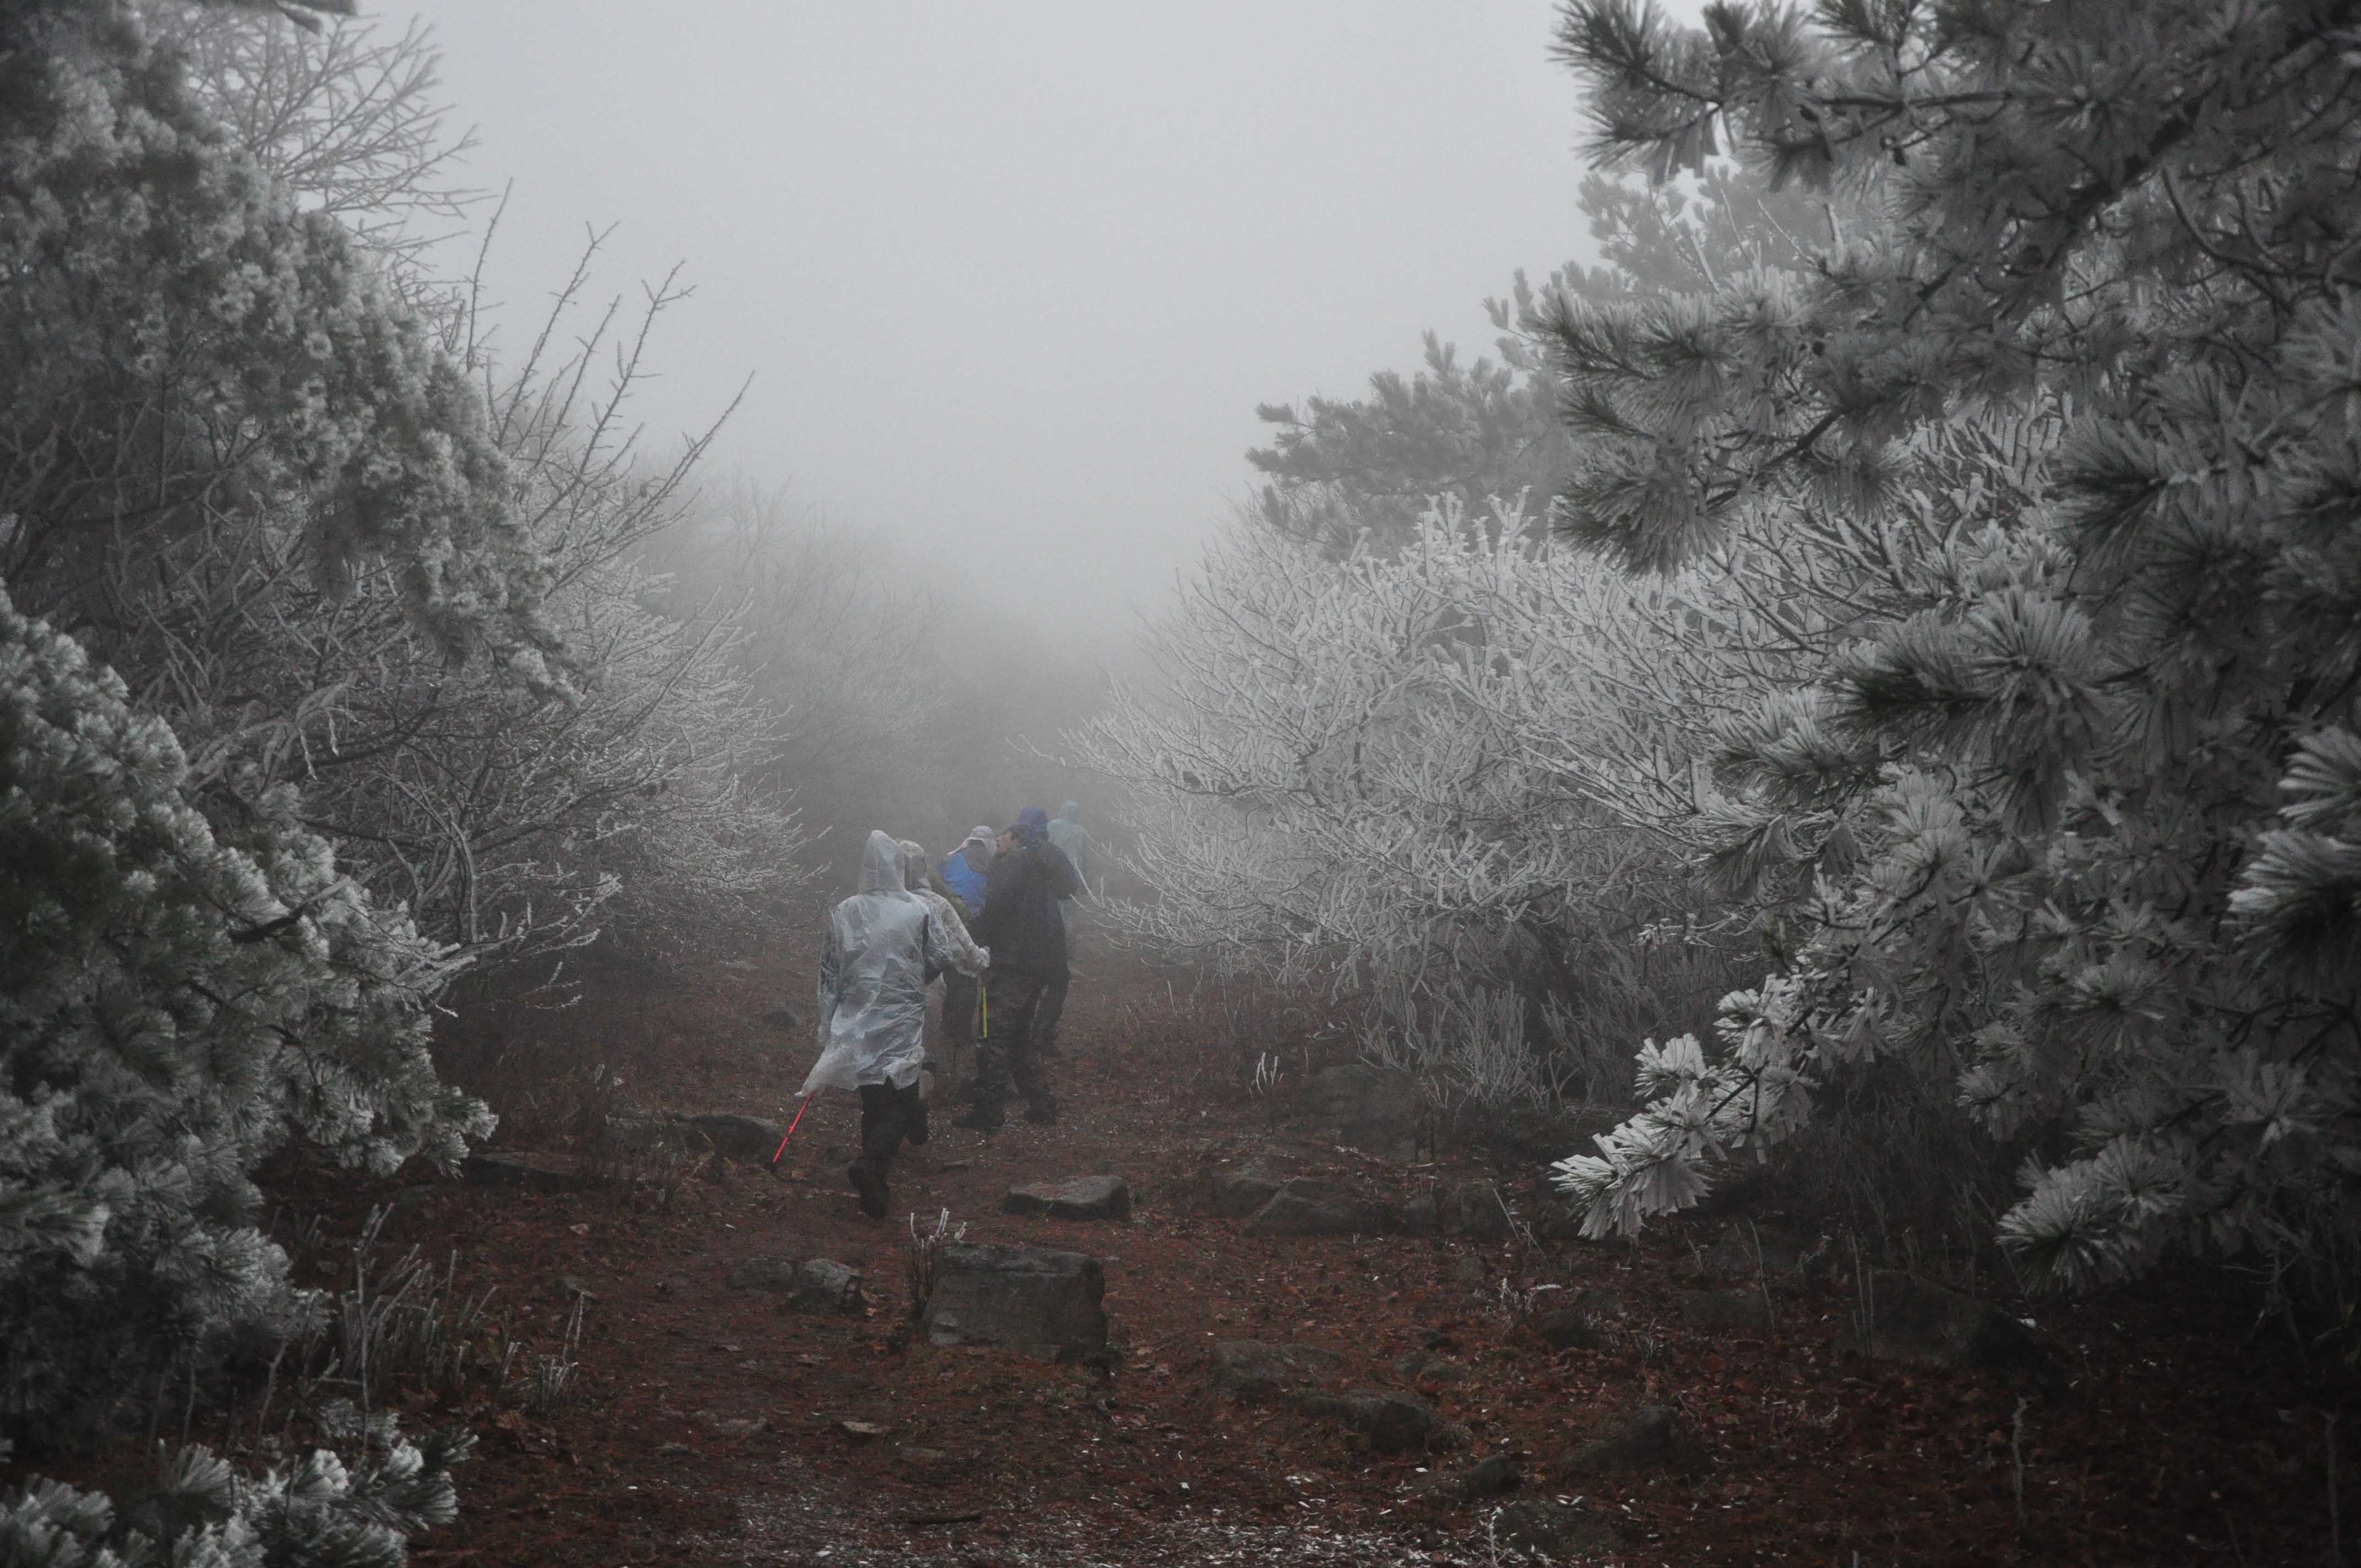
{"x": 872, "y": 979}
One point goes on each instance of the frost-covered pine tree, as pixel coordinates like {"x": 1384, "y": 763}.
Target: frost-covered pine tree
{"x": 182, "y": 991}
{"x": 176, "y": 1002}
{"x": 2043, "y": 490}
{"x": 318, "y": 1512}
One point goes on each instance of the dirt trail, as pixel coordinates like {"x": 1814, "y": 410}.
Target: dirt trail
{"x": 709, "y": 1429}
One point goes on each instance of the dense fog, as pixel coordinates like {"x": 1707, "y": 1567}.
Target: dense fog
{"x": 1699, "y": 657}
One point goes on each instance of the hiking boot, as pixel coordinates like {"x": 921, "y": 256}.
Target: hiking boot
{"x": 870, "y": 1185}
{"x": 983, "y": 1119}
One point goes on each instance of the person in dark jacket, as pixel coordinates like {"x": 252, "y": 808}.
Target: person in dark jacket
{"x": 1021, "y": 924}
{"x": 1073, "y": 840}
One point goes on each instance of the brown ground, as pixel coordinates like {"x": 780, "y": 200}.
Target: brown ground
{"x": 2184, "y": 1424}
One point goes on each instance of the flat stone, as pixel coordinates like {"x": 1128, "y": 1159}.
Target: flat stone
{"x": 1923, "y": 1325}
{"x": 1250, "y": 1369}
{"x": 1076, "y": 1198}
{"x": 533, "y": 1171}
{"x": 1032, "y": 1299}
{"x": 1308, "y": 1208}
{"x": 1565, "y": 1328}
{"x": 1651, "y": 1438}
{"x": 1235, "y": 1194}
{"x": 1388, "y": 1423}
{"x": 747, "y": 1139}
{"x": 722, "y": 1425}
{"x": 809, "y": 1285}
{"x": 1727, "y": 1312}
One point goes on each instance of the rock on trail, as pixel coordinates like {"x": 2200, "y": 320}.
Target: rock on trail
{"x": 1030, "y": 1299}
{"x": 1248, "y": 1369}
{"x": 811, "y": 1285}
{"x": 1076, "y": 1198}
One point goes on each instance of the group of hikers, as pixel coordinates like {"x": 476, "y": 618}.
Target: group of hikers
{"x": 989, "y": 920}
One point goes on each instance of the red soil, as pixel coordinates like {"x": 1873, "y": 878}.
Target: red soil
{"x": 2184, "y": 1422}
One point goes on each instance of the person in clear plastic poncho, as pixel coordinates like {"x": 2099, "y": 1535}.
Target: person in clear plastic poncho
{"x": 968, "y": 961}
{"x": 883, "y": 943}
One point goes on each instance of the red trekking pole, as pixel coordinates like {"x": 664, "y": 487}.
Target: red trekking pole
{"x": 793, "y": 1126}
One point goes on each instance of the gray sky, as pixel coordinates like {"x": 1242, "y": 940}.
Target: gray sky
{"x": 1010, "y": 280}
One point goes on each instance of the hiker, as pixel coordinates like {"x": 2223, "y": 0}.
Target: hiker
{"x": 1022, "y": 923}
{"x": 1074, "y": 841}
{"x": 968, "y": 961}
{"x": 881, "y": 942}
{"x": 963, "y": 872}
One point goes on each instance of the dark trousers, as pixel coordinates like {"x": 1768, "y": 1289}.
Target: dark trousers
{"x": 1045, "y": 1023}
{"x": 887, "y": 1117}
{"x": 959, "y": 1020}
{"x": 1008, "y": 1054}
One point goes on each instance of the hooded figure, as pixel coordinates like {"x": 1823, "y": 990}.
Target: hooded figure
{"x": 963, "y": 869}
{"x": 873, "y": 1011}
{"x": 967, "y": 959}
{"x": 1021, "y": 920}
{"x": 1074, "y": 841}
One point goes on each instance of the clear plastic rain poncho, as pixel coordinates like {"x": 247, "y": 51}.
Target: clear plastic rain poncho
{"x": 966, "y": 957}
{"x": 872, "y": 979}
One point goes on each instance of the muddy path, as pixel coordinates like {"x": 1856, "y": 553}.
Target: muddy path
{"x": 720, "y": 1423}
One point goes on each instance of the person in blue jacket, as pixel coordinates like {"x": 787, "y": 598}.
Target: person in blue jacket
{"x": 963, "y": 872}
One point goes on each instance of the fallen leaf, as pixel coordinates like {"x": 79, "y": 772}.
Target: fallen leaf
{"x": 861, "y": 1429}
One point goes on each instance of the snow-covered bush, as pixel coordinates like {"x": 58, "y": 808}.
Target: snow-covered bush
{"x": 322, "y": 1511}
{"x": 485, "y": 708}
{"x": 2045, "y": 489}
{"x": 1407, "y": 774}
{"x": 176, "y": 1002}
{"x": 179, "y": 344}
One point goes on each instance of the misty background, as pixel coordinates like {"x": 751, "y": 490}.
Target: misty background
{"x": 1009, "y": 284}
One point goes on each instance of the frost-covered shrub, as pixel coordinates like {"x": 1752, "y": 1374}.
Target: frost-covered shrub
{"x": 179, "y": 342}
{"x": 238, "y": 465}
{"x": 1407, "y": 774}
{"x": 175, "y": 1003}
{"x": 322, "y": 1511}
